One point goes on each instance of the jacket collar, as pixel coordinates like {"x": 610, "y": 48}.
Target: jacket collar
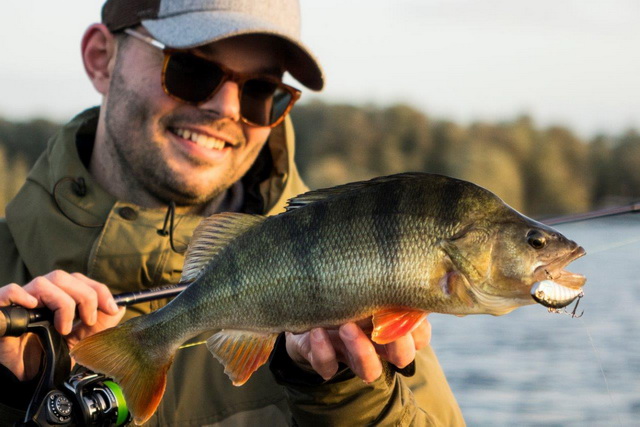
{"x": 62, "y": 219}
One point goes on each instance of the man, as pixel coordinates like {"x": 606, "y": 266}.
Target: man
{"x": 193, "y": 116}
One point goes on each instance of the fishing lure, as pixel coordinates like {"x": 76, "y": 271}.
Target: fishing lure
{"x": 555, "y": 296}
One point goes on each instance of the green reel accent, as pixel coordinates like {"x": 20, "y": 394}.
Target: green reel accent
{"x": 123, "y": 410}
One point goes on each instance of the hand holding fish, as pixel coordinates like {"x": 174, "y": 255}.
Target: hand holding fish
{"x": 321, "y": 349}
{"x": 63, "y": 293}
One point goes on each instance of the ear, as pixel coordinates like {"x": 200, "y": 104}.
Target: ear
{"x": 98, "y": 56}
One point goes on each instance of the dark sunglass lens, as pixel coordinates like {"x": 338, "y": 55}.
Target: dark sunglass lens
{"x": 191, "y": 78}
{"x": 281, "y": 100}
{"x": 263, "y": 102}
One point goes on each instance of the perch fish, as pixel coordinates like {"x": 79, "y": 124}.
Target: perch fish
{"x": 393, "y": 248}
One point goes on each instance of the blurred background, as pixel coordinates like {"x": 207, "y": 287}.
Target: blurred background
{"x": 539, "y": 101}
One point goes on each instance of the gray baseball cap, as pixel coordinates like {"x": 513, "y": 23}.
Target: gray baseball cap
{"x": 184, "y": 24}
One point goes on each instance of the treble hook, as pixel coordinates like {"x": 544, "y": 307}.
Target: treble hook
{"x": 575, "y": 308}
{"x": 564, "y": 310}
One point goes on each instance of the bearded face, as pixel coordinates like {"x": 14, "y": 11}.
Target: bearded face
{"x": 169, "y": 150}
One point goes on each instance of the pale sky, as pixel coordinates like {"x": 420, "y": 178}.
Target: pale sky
{"x": 569, "y": 62}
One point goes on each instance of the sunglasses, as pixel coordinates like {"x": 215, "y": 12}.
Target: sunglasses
{"x": 264, "y": 100}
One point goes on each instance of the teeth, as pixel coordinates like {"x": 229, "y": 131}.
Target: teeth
{"x": 201, "y": 140}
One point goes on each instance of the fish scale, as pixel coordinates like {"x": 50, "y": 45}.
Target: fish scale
{"x": 359, "y": 270}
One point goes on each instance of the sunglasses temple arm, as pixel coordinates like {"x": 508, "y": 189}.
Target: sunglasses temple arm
{"x": 146, "y": 39}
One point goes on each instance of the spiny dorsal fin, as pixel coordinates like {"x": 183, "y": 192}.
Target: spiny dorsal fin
{"x": 312, "y": 196}
{"x": 210, "y": 236}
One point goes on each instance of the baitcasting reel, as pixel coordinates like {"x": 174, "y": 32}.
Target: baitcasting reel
{"x": 81, "y": 399}
{"x": 87, "y": 399}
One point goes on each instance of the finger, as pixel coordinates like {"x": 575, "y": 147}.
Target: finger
{"x": 298, "y": 347}
{"x": 15, "y": 294}
{"x": 106, "y": 302}
{"x": 113, "y": 320}
{"x": 322, "y": 355}
{"x": 422, "y": 334}
{"x": 105, "y": 321}
{"x": 401, "y": 352}
{"x": 56, "y": 300}
{"x": 362, "y": 356}
{"x": 85, "y": 297}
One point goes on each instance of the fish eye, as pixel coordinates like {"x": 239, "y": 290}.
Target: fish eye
{"x": 536, "y": 239}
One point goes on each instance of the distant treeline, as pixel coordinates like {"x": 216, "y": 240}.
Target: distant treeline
{"x": 541, "y": 172}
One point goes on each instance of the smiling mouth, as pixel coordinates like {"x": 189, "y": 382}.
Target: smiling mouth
{"x": 201, "y": 140}
{"x": 555, "y": 270}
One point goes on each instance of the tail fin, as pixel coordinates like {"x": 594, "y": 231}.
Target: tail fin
{"x": 116, "y": 353}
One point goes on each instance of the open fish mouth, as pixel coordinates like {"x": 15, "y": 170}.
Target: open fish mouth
{"x": 556, "y": 287}
{"x": 555, "y": 270}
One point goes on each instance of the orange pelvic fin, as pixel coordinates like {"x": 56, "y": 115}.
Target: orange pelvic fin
{"x": 115, "y": 353}
{"x": 392, "y": 323}
{"x": 241, "y": 352}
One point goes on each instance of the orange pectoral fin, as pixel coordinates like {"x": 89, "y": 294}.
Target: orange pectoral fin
{"x": 241, "y": 352}
{"x": 392, "y": 323}
{"x": 457, "y": 285}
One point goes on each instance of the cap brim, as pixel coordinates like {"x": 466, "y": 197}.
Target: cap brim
{"x": 210, "y": 26}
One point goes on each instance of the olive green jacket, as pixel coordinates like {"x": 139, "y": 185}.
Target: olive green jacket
{"x": 58, "y": 222}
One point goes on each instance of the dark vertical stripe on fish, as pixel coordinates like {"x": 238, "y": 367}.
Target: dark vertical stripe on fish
{"x": 234, "y": 274}
{"x": 388, "y": 227}
{"x": 311, "y": 250}
{"x": 453, "y": 193}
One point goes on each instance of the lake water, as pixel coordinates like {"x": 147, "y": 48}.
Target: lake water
{"x": 534, "y": 368}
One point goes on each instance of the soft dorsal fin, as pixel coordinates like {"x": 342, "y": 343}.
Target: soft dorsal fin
{"x": 312, "y": 196}
{"x": 210, "y": 236}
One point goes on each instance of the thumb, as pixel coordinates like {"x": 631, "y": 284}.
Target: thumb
{"x": 109, "y": 321}
{"x": 105, "y": 321}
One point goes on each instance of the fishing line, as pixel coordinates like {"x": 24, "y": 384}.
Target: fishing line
{"x": 614, "y": 245}
{"x": 606, "y": 383}
{"x": 191, "y": 344}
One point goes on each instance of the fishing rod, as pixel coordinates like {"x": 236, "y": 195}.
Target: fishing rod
{"x": 16, "y": 320}
{"x": 600, "y": 213}
{"x": 87, "y": 398}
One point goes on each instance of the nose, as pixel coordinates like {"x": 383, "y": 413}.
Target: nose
{"x": 226, "y": 102}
